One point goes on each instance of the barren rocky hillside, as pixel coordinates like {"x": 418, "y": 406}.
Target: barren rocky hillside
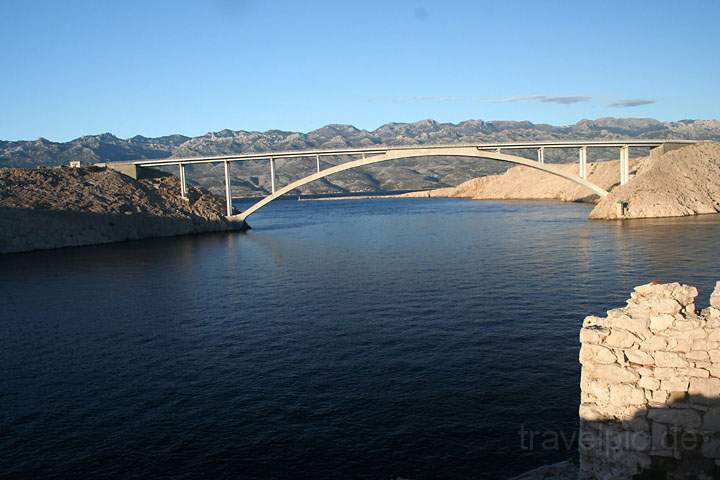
{"x": 679, "y": 183}
{"x": 525, "y": 183}
{"x": 61, "y": 206}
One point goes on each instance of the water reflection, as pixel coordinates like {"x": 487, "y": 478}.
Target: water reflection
{"x": 350, "y": 338}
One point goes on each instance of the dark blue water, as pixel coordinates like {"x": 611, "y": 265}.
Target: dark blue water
{"x": 343, "y": 339}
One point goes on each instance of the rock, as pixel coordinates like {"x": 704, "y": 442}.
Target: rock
{"x": 622, "y": 394}
{"x": 677, "y": 384}
{"x": 620, "y": 356}
{"x": 639, "y": 357}
{"x": 665, "y": 373}
{"x": 621, "y": 339}
{"x": 659, "y": 397}
{"x": 649, "y": 383}
{"x": 654, "y": 343}
{"x": 713, "y": 317}
{"x": 663, "y": 305}
{"x": 598, "y": 323}
{"x": 596, "y": 354}
{"x": 714, "y": 336}
{"x": 682, "y": 417}
{"x": 694, "y": 372}
{"x": 60, "y": 207}
{"x": 678, "y": 396}
{"x": 705, "y": 345}
{"x": 714, "y": 356}
{"x": 669, "y": 359}
{"x": 685, "y": 295}
{"x": 695, "y": 189}
{"x": 590, "y": 413}
{"x": 687, "y": 324}
{"x": 683, "y": 345}
{"x": 715, "y": 296}
{"x": 698, "y": 355}
{"x": 661, "y": 322}
{"x": 708, "y": 389}
{"x": 598, "y": 390}
{"x": 692, "y": 335}
{"x": 648, "y": 288}
{"x": 593, "y": 334}
{"x": 611, "y": 373}
{"x": 637, "y": 326}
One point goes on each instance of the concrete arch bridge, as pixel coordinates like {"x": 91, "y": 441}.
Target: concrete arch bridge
{"x": 360, "y": 157}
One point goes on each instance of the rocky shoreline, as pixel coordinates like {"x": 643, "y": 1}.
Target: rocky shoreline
{"x": 678, "y": 183}
{"x": 58, "y": 207}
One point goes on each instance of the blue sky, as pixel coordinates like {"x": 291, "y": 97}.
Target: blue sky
{"x": 71, "y": 68}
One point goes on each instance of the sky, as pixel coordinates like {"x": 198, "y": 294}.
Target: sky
{"x": 77, "y": 67}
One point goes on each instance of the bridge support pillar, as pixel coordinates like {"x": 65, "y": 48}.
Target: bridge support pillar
{"x": 624, "y": 164}
{"x": 541, "y": 155}
{"x": 583, "y": 162}
{"x": 183, "y": 182}
{"x": 228, "y": 193}
{"x": 317, "y": 162}
{"x": 272, "y": 175}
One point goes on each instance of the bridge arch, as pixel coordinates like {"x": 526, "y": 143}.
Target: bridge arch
{"x": 415, "y": 153}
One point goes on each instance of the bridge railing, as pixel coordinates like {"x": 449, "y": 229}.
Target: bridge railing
{"x": 582, "y": 146}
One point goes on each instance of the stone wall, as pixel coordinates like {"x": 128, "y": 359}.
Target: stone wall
{"x": 650, "y": 387}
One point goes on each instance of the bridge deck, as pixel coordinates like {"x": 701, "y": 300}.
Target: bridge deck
{"x": 379, "y": 149}
{"x": 382, "y": 153}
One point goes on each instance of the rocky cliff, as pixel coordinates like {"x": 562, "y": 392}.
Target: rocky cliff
{"x": 60, "y": 206}
{"x": 679, "y": 183}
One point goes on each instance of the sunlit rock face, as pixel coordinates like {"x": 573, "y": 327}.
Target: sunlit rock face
{"x": 650, "y": 387}
{"x": 678, "y": 183}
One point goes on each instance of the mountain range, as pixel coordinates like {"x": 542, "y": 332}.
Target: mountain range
{"x": 252, "y": 178}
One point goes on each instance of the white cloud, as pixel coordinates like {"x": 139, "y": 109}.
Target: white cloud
{"x": 561, "y": 100}
{"x": 632, "y": 102}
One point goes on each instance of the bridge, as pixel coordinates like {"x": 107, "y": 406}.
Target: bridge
{"x": 378, "y": 154}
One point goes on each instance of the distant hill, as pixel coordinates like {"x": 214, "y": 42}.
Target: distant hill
{"x": 253, "y": 179}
